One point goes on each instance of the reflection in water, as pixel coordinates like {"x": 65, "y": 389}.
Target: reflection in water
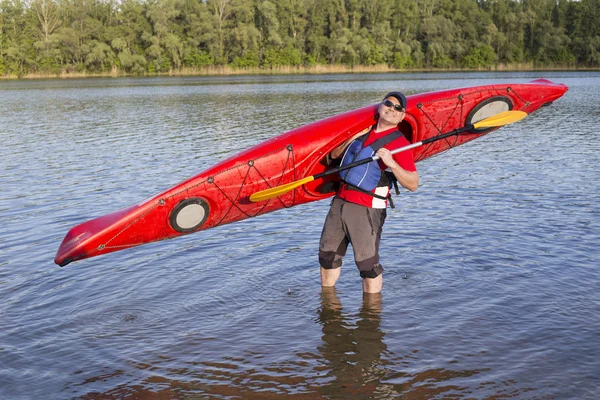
{"x": 360, "y": 365}
{"x": 352, "y": 350}
{"x": 351, "y": 361}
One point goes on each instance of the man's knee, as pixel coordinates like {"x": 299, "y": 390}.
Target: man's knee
{"x": 329, "y": 260}
{"x": 370, "y": 271}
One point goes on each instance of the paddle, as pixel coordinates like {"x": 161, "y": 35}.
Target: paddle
{"x": 501, "y": 119}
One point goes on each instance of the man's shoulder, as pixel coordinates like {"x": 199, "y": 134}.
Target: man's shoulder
{"x": 380, "y": 135}
{"x": 399, "y": 142}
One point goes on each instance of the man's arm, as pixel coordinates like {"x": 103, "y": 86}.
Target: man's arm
{"x": 408, "y": 179}
{"x": 337, "y": 152}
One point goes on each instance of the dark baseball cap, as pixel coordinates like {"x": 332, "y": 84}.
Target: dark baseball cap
{"x": 399, "y": 96}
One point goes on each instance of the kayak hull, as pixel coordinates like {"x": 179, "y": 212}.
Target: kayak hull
{"x": 220, "y": 194}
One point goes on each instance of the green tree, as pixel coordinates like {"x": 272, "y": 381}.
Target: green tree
{"x": 402, "y": 57}
{"x": 201, "y": 38}
{"x": 269, "y": 24}
{"x": 292, "y": 15}
{"x": 581, "y": 25}
{"x": 508, "y": 42}
{"x": 222, "y": 11}
{"x": 481, "y": 56}
{"x": 47, "y": 43}
{"x": 101, "y": 57}
{"x": 242, "y": 38}
{"x": 2, "y": 38}
{"x": 164, "y": 47}
{"x": 440, "y": 39}
{"x": 18, "y": 28}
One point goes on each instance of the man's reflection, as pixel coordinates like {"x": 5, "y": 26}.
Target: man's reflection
{"x": 352, "y": 347}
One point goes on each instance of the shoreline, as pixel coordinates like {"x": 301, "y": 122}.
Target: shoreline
{"x": 288, "y": 70}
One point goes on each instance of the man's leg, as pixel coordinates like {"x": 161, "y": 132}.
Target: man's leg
{"x": 373, "y": 285}
{"x": 329, "y": 276}
{"x": 333, "y": 244}
{"x": 365, "y": 226}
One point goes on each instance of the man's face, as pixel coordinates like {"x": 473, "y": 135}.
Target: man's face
{"x": 389, "y": 113}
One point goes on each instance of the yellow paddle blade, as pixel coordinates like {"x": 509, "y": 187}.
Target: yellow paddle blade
{"x": 279, "y": 190}
{"x": 504, "y": 118}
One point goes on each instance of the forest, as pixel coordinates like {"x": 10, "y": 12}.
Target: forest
{"x": 146, "y": 37}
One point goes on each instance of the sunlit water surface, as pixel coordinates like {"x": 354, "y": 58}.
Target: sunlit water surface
{"x": 492, "y": 267}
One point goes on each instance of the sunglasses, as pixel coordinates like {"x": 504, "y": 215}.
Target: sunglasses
{"x": 389, "y": 103}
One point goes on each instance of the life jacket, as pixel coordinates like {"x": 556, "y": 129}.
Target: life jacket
{"x": 366, "y": 177}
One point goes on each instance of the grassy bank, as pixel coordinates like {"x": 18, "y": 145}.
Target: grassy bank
{"x": 289, "y": 70}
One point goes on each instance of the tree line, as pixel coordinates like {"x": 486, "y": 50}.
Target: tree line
{"x": 162, "y": 36}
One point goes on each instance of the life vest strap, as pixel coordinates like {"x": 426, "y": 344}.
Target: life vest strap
{"x": 358, "y": 189}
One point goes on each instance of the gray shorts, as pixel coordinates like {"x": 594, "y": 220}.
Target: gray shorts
{"x": 352, "y": 223}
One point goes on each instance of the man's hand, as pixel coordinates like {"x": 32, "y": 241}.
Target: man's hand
{"x": 387, "y": 157}
{"x": 408, "y": 179}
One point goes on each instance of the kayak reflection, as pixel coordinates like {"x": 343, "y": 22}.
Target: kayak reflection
{"x": 352, "y": 348}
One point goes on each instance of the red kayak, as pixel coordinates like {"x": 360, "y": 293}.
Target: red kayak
{"x": 220, "y": 194}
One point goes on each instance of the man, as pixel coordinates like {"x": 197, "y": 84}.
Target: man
{"x": 358, "y": 210}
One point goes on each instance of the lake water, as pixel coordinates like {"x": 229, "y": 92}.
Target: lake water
{"x": 492, "y": 282}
